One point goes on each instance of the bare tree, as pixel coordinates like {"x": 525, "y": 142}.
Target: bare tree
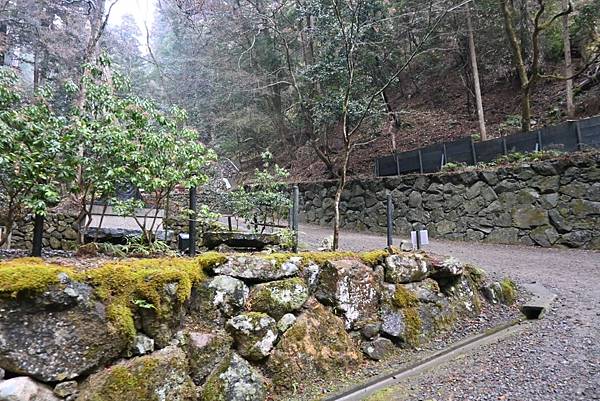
{"x": 529, "y": 73}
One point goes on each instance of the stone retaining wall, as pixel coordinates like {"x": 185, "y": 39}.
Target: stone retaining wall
{"x": 545, "y": 203}
{"x": 60, "y": 232}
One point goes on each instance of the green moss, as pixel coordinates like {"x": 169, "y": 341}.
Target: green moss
{"x": 371, "y": 258}
{"x": 128, "y": 384}
{"x": 29, "y": 274}
{"x": 121, "y": 283}
{"x": 121, "y": 318}
{"x": 213, "y": 390}
{"x": 404, "y": 298}
{"x": 413, "y": 326}
{"x": 297, "y": 333}
{"x": 509, "y": 291}
{"x": 476, "y": 275}
{"x": 209, "y": 260}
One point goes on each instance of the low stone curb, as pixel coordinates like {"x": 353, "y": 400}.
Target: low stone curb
{"x": 535, "y": 308}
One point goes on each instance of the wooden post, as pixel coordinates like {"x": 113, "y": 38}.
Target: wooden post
{"x": 390, "y": 220}
{"x": 38, "y": 235}
{"x": 192, "y": 222}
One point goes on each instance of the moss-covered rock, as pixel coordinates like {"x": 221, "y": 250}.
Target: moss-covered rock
{"x": 254, "y": 334}
{"x": 278, "y": 297}
{"x": 52, "y": 327}
{"x": 205, "y": 351}
{"x": 316, "y": 346}
{"x": 352, "y": 288}
{"x": 504, "y": 291}
{"x": 406, "y": 268}
{"x": 160, "y": 376}
{"x": 234, "y": 380}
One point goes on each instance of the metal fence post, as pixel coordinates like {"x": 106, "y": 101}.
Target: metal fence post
{"x": 420, "y": 161}
{"x": 578, "y": 133}
{"x": 192, "y": 222}
{"x": 390, "y": 221}
{"x": 473, "y": 151}
{"x": 295, "y": 213}
{"x": 504, "y": 148}
{"x": 38, "y": 235}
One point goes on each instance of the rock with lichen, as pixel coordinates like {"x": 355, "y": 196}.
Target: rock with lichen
{"x": 316, "y": 346}
{"x": 378, "y": 348}
{"x": 25, "y": 389}
{"x": 56, "y": 333}
{"x": 277, "y": 298}
{"x": 352, "y": 288}
{"x": 411, "y": 313}
{"x": 258, "y": 269}
{"x": 406, "y": 268}
{"x": 254, "y": 334}
{"x": 161, "y": 376}
{"x": 205, "y": 351}
{"x": 230, "y": 294}
{"x": 448, "y": 267}
{"x": 234, "y": 380}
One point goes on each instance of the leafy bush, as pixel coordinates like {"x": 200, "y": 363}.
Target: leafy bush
{"x": 267, "y": 199}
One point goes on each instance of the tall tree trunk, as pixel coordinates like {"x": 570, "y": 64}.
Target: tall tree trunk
{"x": 476, "y": 83}
{"x": 568, "y": 62}
{"x": 515, "y": 46}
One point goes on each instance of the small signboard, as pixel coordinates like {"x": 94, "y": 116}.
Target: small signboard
{"x": 419, "y": 238}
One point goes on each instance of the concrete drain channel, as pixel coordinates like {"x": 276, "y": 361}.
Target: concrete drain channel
{"x": 532, "y": 310}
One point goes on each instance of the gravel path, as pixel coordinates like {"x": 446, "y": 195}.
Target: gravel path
{"x": 557, "y": 358}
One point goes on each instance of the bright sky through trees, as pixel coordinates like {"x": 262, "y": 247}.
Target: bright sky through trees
{"x": 142, "y": 11}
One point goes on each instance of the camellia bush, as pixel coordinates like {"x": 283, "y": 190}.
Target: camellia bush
{"x": 110, "y": 139}
{"x": 37, "y": 156}
{"x": 127, "y": 140}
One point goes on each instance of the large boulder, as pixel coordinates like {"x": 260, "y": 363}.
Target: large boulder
{"x": 58, "y": 334}
{"x": 205, "y": 351}
{"x": 25, "y": 389}
{"x": 406, "y": 268}
{"x": 259, "y": 269}
{"x": 254, "y": 334}
{"x": 160, "y": 376}
{"x": 352, "y": 288}
{"x": 277, "y": 298}
{"x": 234, "y": 380}
{"x": 316, "y": 346}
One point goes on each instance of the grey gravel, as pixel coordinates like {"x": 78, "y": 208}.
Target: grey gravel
{"x": 554, "y": 359}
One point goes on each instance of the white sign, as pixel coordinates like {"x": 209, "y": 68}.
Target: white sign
{"x": 423, "y": 238}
